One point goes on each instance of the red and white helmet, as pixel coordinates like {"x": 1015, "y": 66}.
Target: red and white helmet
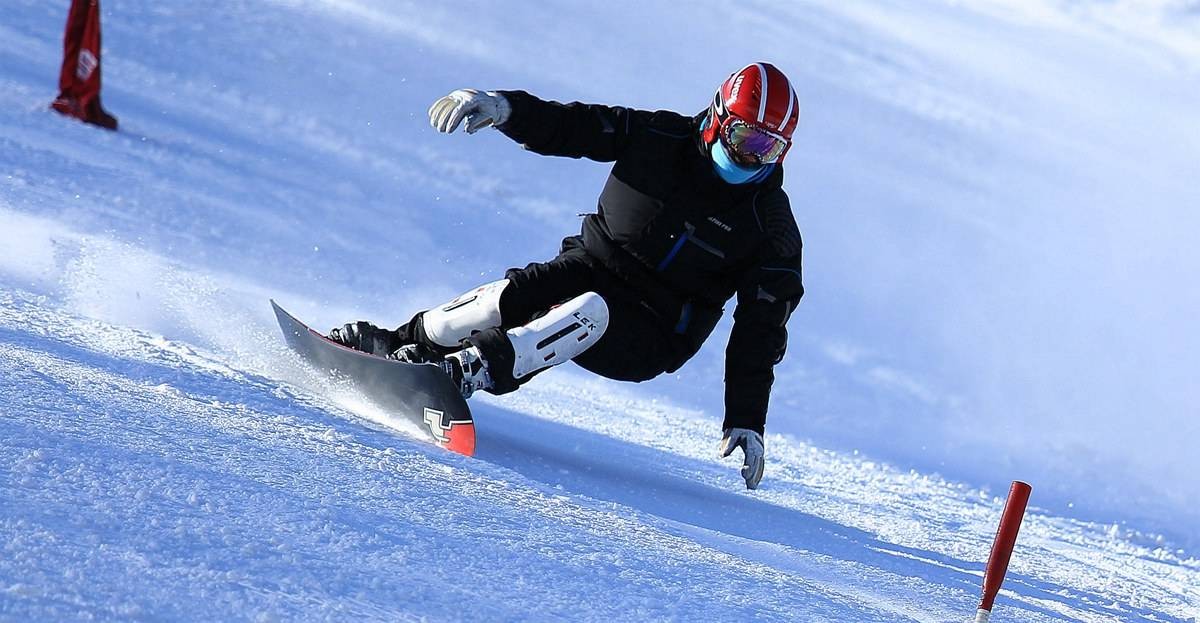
{"x": 754, "y": 114}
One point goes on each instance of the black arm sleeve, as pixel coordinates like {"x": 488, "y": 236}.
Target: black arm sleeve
{"x": 767, "y": 295}
{"x": 575, "y": 130}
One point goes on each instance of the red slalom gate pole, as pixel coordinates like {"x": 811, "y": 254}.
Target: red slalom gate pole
{"x": 1002, "y": 547}
{"x": 79, "y": 80}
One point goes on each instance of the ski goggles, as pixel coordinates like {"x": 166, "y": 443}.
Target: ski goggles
{"x": 752, "y": 145}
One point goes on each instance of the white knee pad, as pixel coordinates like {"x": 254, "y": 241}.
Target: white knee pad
{"x": 560, "y": 335}
{"x": 447, "y": 325}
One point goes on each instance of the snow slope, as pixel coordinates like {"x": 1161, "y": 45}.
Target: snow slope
{"x": 976, "y": 184}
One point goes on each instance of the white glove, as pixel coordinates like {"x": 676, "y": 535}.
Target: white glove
{"x": 753, "y": 451}
{"x": 479, "y": 108}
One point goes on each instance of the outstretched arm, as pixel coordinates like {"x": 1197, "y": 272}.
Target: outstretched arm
{"x": 575, "y": 130}
{"x": 758, "y": 341}
{"x": 767, "y": 295}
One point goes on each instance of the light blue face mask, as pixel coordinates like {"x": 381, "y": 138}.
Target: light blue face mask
{"x": 730, "y": 171}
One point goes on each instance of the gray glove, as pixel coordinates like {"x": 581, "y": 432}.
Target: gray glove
{"x": 753, "y": 451}
{"x": 480, "y": 109}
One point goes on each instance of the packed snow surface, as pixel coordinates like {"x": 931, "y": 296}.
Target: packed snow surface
{"x": 998, "y": 208}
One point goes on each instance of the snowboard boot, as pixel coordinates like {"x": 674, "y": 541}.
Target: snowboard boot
{"x": 468, "y": 370}
{"x": 367, "y": 338}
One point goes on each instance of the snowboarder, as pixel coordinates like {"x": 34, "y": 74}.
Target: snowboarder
{"x": 692, "y": 213}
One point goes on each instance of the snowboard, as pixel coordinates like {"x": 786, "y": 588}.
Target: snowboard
{"x": 420, "y": 393}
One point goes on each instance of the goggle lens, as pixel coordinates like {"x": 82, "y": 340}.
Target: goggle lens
{"x": 752, "y": 143}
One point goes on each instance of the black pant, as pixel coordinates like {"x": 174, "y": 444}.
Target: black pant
{"x": 635, "y": 347}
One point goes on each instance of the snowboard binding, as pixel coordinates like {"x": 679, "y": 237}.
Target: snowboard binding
{"x": 366, "y": 337}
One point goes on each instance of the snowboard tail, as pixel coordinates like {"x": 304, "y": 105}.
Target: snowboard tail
{"x": 421, "y": 393}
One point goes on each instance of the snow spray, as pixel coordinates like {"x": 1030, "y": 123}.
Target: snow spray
{"x": 1002, "y": 547}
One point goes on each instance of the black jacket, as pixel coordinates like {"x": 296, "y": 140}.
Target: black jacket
{"x": 681, "y": 236}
